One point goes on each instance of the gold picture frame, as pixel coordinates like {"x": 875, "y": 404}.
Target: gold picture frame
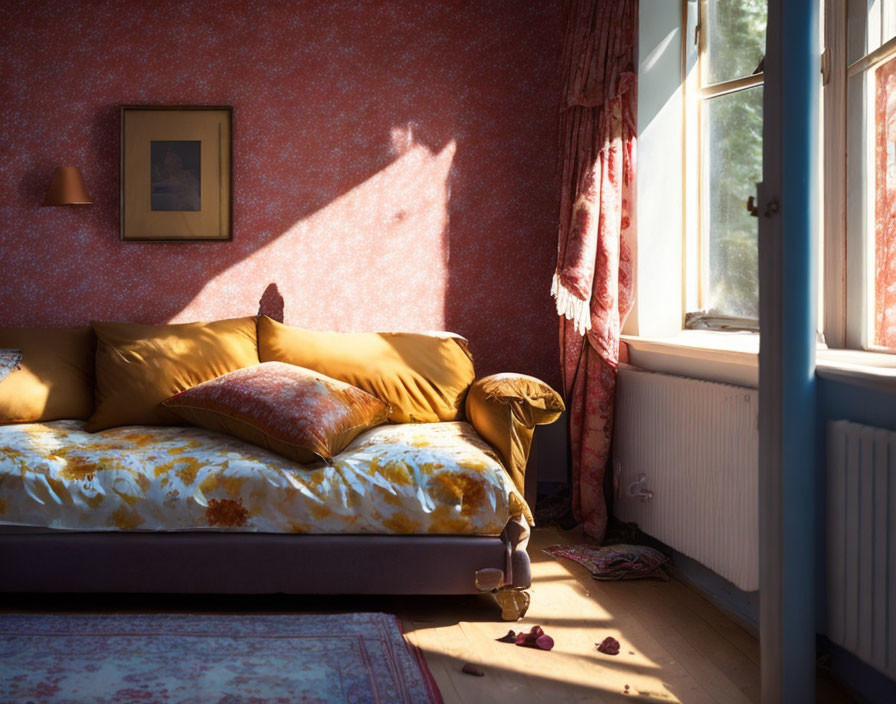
{"x": 176, "y": 177}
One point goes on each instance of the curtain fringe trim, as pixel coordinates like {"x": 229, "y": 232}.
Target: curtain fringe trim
{"x": 571, "y": 306}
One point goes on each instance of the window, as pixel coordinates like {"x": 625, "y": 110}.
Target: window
{"x": 860, "y": 178}
{"x": 724, "y": 132}
{"x": 700, "y": 134}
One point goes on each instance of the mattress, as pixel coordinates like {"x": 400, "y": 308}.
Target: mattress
{"x": 431, "y": 478}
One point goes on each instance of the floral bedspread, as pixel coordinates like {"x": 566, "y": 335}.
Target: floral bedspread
{"x": 406, "y": 478}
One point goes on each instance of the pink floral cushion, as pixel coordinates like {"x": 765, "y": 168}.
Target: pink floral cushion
{"x": 290, "y": 410}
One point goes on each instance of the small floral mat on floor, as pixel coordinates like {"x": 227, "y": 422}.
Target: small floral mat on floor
{"x": 613, "y": 562}
{"x": 318, "y": 659}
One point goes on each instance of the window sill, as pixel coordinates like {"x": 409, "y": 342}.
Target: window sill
{"x": 733, "y": 358}
{"x": 876, "y": 370}
{"x": 726, "y": 357}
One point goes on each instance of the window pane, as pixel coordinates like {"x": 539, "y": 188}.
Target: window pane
{"x": 884, "y": 292}
{"x": 881, "y": 25}
{"x": 888, "y": 21}
{"x": 732, "y": 167}
{"x": 735, "y": 38}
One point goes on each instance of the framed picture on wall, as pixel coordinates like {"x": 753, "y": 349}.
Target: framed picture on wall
{"x": 175, "y": 173}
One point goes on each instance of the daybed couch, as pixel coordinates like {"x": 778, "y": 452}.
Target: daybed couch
{"x": 113, "y": 478}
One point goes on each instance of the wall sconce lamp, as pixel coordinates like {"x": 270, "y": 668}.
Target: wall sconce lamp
{"x": 67, "y": 188}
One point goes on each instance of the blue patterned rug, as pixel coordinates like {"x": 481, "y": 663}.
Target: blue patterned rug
{"x": 168, "y": 658}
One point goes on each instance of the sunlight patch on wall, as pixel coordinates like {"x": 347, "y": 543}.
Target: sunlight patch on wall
{"x": 352, "y": 257}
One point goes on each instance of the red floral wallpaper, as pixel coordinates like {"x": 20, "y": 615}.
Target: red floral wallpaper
{"x": 394, "y": 165}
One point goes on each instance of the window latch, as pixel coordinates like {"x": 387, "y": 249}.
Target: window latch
{"x": 771, "y": 208}
{"x": 752, "y": 208}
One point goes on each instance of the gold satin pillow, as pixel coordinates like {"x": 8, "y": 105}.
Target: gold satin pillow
{"x": 139, "y": 366}
{"x": 55, "y": 378}
{"x": 424, "y": 377}
{"x": 295, "y": 412}
{"x": 504, "y": 409}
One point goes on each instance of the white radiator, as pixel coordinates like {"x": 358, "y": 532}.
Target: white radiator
{"x": 861, "y": 520}
{"x": 697, "y": 444}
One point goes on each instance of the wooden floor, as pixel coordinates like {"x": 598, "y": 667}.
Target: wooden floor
{"x": 676, "y": 646}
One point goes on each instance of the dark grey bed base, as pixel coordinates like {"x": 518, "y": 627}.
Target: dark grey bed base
{"x": 257, "y": 563}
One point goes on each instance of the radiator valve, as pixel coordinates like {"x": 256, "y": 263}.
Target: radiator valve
{"x": 638, "y": 489}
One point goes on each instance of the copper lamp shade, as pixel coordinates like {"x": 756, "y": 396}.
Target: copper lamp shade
{"x": 67, "y": 188}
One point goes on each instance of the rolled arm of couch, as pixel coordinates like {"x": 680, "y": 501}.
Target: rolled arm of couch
{"x": 504, "y": 409}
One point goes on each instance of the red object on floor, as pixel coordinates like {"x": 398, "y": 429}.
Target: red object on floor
{"x": 609, "y": 646}
{"x": 535, "y": 638}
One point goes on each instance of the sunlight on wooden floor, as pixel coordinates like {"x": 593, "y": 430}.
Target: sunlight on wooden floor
{"x": 675, "y": 647}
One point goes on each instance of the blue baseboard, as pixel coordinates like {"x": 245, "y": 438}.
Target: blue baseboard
{"x": 868, "y": 685}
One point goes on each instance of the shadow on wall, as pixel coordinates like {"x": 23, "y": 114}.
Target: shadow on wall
{"x": 271, "y": 303}
{"x": 34, "y": 184}
{"x": 502, "y": 238}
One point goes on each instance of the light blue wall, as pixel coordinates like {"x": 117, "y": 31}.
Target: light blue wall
{"x": 840, "y": 400}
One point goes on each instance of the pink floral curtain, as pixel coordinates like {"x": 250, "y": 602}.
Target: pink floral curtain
{"x": 593, "y": 282}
